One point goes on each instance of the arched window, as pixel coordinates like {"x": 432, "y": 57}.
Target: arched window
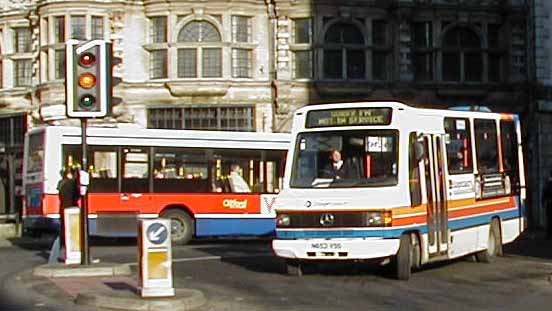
{"x": 199, "y": 61}
{"x": 462, "y": 55}
{"x": 344, "y": 54}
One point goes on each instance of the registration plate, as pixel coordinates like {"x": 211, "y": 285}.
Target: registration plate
{"x": 325, "y": 245}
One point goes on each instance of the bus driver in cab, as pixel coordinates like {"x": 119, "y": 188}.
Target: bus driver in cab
{"x": 336, "y": 168}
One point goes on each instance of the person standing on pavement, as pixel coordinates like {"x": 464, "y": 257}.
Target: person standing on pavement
{"x": 547, "y": 202}
{"x": 69, "y": 196}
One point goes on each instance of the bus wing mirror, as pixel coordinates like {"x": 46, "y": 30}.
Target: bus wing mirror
{"x": 418, "y": 151}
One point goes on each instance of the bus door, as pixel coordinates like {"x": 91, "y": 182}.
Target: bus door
{"x": 135, "y": 181}
{"x": 437, "y": 218}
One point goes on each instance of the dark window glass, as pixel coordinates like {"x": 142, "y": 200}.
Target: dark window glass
{"x": 333, "y": 64}
{"x": 241, "y": 63}
{"x": 451, "y": 66}
{"x": 495, "y": 61}
{"x": 97, "y": 27}
{"x": 302, "y": 62}
{"x": 78, "y": 27}
{"x": 158, "y": 64}
{"x": 473, "y": 66}
{"x": 423, "y": 66}
{"x": 187, "y": 67}
{"x": 60, "y": 64}
{"x": 59, "y": 28}
{"x": 158, "y": 32}
{"x": 356, "y": 64}
{"x": 212, "y": 63}
{"x": 414, "y": 173}
{"x": 379, "y": 65}
{"x": 199, "y": 31}
{"x": 239, "y": 118}
{"x": 302, "y": 30}
{"x": 22, "y": 40}
{"x": 23, "y": 72}
{"x": 379, "y": 32}
{"x": 423, "y": 35}
{"x": 344, "y": 33}
{"x": 493, "y": 36}
{"x": 458, "y": 145}
{"x": 241, "y": 28}
{"x": 486, "y": 146}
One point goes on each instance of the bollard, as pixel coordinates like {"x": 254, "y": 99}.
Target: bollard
{"x": 155, "y": 258}
{"x": 72, "y": 235}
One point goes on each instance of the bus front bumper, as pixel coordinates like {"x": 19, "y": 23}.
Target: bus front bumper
{"x": 336, "y": 249}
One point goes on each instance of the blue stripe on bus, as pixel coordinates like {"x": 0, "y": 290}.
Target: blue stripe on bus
{"x": 387, "y": 233}
{"x": 234, "y": 226}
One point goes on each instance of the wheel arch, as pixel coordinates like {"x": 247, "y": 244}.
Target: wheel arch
{"x": 179, "y": 207}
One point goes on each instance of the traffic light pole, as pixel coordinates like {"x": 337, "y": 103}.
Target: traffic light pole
{"x": 85, "y": 258}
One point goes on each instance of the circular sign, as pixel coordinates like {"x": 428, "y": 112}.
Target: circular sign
{"x": 157, "y": 233}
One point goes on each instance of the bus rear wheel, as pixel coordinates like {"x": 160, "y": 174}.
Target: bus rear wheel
{"x": 403, "y": 261}
{"x": 494, "y": 245}
{"x": 182, "y": 226}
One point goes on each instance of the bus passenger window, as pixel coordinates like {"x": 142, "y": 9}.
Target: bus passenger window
{"x": 486, "y": 146}
{"x": 458, "y": 145}
{"x": 238, "y": 171}
{"x": 104, "y": 164}
{"x": 180, "y": 170}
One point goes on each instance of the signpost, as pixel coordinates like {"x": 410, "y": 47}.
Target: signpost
{"x": 155, "y": 258}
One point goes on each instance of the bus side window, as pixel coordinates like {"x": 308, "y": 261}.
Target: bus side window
{"x": 486, "y": 146}
{"x": 414, "y": 172}
{"x": 273, "y": 170}
{"x": 103, "y": 163}
{"x": 458, "y": 145}
{"x": 509, "y": 143}
{"x": 179, "y": 170}
{"x": 246, "y": 167}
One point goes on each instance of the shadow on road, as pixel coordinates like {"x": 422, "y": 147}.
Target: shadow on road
{"x": 530, "y": 244}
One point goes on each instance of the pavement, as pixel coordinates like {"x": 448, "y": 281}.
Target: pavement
{"x": 77, "y": 290}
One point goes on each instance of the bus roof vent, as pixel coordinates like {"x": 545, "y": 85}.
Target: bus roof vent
{"x": 471, "y": 108}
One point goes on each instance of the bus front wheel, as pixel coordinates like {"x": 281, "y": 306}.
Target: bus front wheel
{"x": 182, "y": 226}
{"x": 404, "y": 258}
{"x": 494, "y": 245}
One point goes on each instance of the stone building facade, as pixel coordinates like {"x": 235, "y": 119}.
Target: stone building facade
{"x": 248, "y": 64}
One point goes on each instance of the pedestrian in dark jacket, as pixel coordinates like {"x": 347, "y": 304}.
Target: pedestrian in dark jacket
{"x": 69, "y": 196}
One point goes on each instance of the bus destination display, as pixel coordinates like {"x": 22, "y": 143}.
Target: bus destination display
{"x": 348, "y": 117}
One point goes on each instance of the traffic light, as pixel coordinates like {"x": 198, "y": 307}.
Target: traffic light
{"x": 88, "y": 81}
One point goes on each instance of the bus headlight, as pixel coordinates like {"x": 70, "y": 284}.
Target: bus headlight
{"x": 283, "y": 220}
{"x": 378, "y": 219}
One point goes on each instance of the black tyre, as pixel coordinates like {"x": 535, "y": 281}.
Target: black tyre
{"x": 182, "y": 226}
{"x": 494, "y": 245}
{"x": 403, "y": 259}
{"x": 294, "y": 267}
{"x": 416, "y": 259}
